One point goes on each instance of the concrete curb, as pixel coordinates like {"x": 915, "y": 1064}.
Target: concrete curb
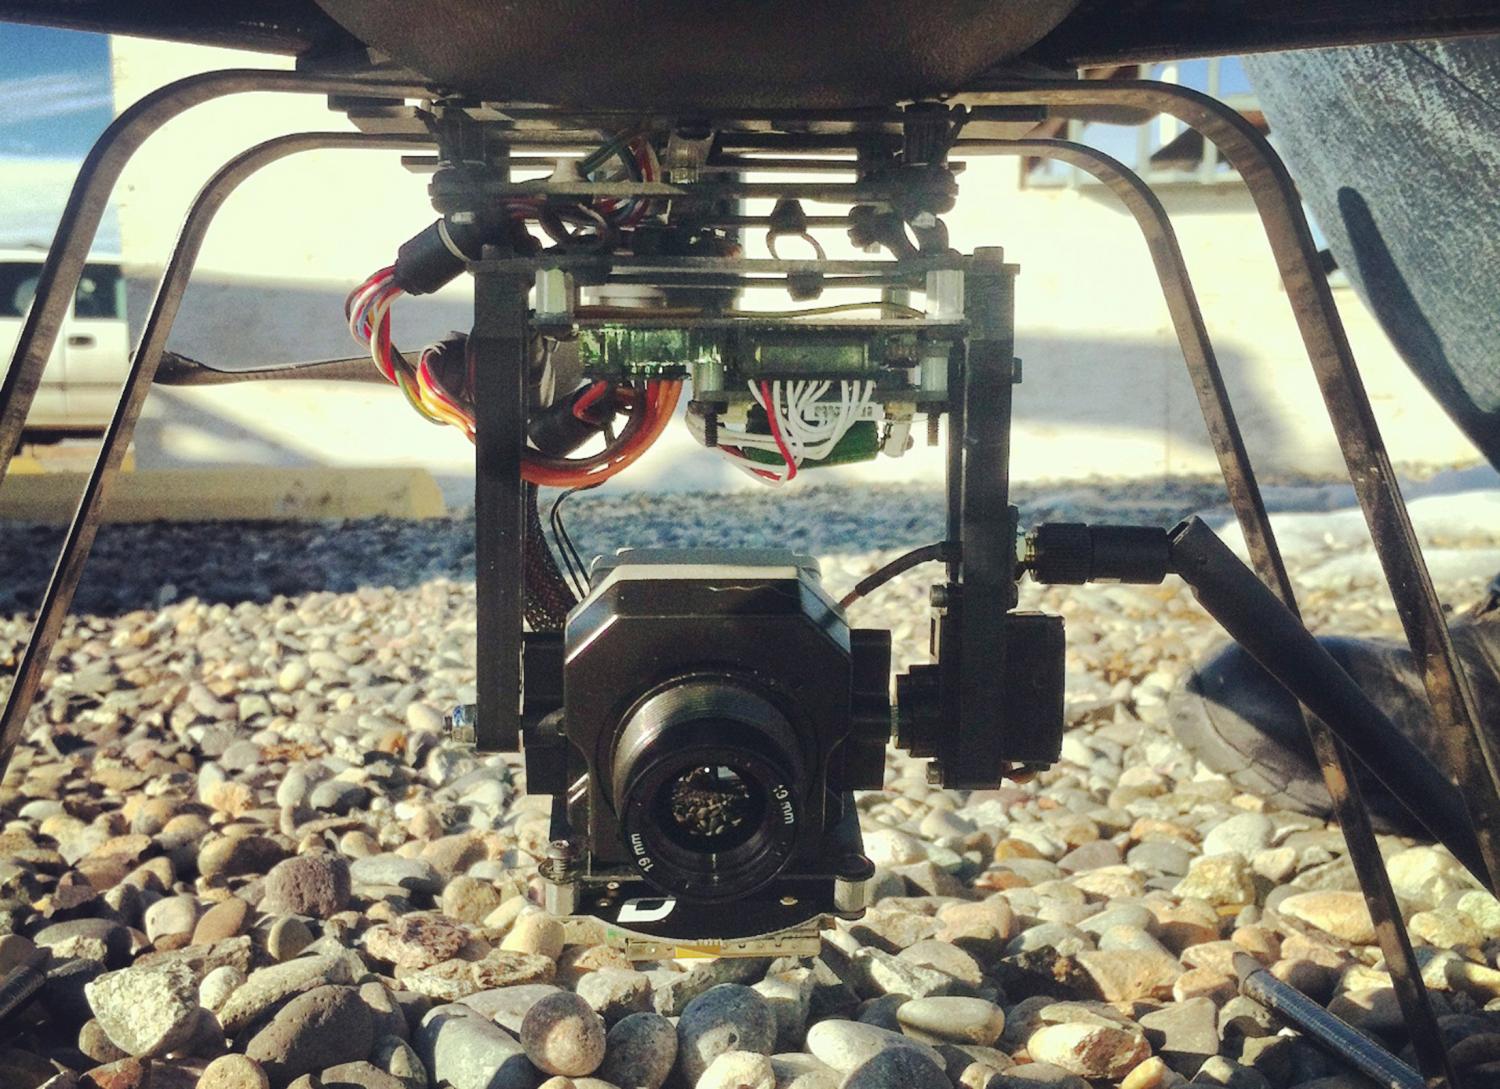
{"x": 239, "y": 494}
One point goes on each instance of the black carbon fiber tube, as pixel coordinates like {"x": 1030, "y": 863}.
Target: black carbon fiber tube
{"x": 1342, "y": 1039}
{"x": 1256, "y": 619}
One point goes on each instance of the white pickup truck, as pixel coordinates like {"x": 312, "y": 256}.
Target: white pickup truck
{"x": 88, "y": 364}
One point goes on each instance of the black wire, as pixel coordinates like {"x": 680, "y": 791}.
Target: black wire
{"x": 549, "y": 596}
{"x": 577, "y": 573}
{"x": 900, "y": 565}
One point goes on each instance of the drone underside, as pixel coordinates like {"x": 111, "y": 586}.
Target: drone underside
{"x": 605, "y": 233}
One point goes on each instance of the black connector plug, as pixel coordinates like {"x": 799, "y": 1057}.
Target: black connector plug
{"x": 437, "y": 255}
{"x": 1071, "y": 553}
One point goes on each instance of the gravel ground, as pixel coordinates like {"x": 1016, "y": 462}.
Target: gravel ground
{"x": 245, "y": 857}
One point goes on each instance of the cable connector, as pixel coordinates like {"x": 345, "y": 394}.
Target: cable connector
{"x": 435, "y": 257}
{"x": 1071, "y": 553}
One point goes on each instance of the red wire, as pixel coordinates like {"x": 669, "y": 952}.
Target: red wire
{"x": 586, "y": 402}
{"x": 383, "y": 344}
{"x": 791, "y": 464}
{"x": 661, "y": 402}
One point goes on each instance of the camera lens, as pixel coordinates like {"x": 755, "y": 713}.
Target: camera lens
{"x": 704, "y": 776}
{"x": 710, "y": 809}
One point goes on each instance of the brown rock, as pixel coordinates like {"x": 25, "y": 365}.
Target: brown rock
{"x": 224, "y": 920}
{"x": 318, "y": 1029}
{"x": 125, "y": 1074}
{"x": 563, "y": 1035}
{"x": 452, "y": 980}
{"x": 237, "y": 856}
{"x": 316, "y": 885}
{"x": 1344, "y": 915}
{"x": 234, "y": 1072}
{"x": 1190, "y": 922}
{"x": 1089, "y": 1050}
{"x": 1125, "y": 975}
{"x": 416, "y": 941}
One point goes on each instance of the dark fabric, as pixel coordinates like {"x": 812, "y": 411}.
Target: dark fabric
{"x": 1396, "y": 149}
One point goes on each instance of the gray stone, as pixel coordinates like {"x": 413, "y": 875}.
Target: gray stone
{"x": 789, "y": 994}
{"x": 287, "y": 937}
{"x": 846, "y": 1045}
{"x": 1244, "y": 1017}
{"x": 411, "y": 874}
{"x": 640, "y": 1052}
{"x": 881, "y": 1012}
{"x": 799, "y": 1071}
{"x": 1184, "y": 1035}
{"x": 359, "y": 1075}
{"x": 170, "y": 917}
{"x": 615, "y": 993}
{"x": 1090, "y": 856}
{"x": 1163, "y": 857}
{"x": 90, "y": 939}
{"x": 216, "y": 987}
{"x": 947, "y": 958}
{"x": 462, "y": 1050}
{"x": 672, "y": 991}
{"x": 1243, "y": 834}
{"x": 952, "y": 1020}
{"x": 338, "y": 797}
{"x": 1033, "y": 1074}
{"x": 387, "y": 1018}
{"x": 1062, "y": 938}
{"x": 1136, "y": 916}
{"x": 508, "y": 1006}
{"x": 400, "y": 1060}
{"x": 875, "y": 972}
{"x": 1230, "y": 1074}
{"x": 729, "y": 1017}
{"x": 146, "y": 1012}
{"x": 898, "y": 1068}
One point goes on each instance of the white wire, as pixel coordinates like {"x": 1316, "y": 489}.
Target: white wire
{"x": 362, "y": 304}
{"x": 805, "y": 439}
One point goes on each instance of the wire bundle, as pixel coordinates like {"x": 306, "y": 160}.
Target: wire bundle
{"x": 793, "y": 436}
{"x": 649, "y": 409}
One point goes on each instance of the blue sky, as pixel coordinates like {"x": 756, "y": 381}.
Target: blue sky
{"x": 57, "y": 87}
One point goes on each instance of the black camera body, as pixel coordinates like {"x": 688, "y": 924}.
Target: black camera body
{"x": 701, "y": 725}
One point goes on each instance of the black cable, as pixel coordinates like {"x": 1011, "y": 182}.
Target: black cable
{"x": 900, "y": 565}
{"x": 553, "y": 518}
{"x": 577, "y": 572}
{"x": 548, "y": 596}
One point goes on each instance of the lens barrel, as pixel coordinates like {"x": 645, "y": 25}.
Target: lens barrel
{"x": 704, "y": 780}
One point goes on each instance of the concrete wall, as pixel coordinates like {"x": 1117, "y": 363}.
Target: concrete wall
{"x": 1104, "y": 392}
